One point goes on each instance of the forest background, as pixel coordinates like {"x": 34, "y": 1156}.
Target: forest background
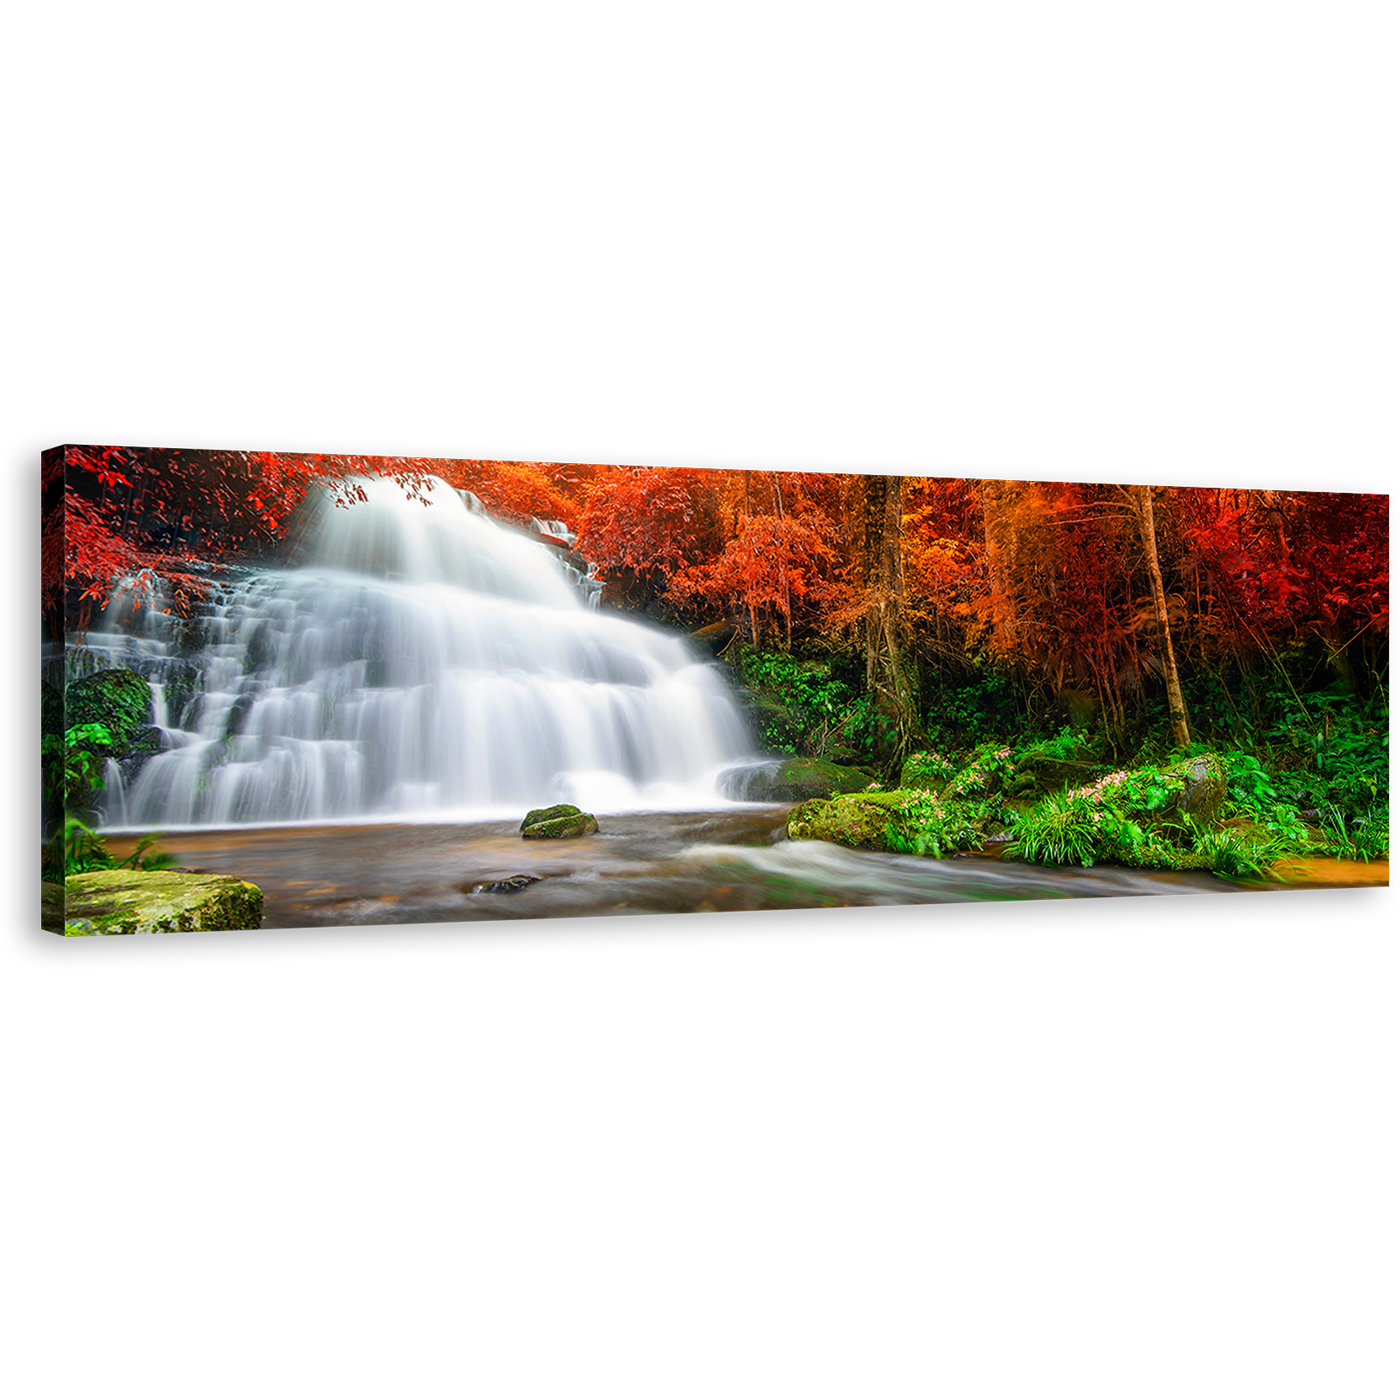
{"x": 1083, "y": 628}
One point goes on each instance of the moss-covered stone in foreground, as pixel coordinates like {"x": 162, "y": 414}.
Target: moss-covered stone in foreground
{"x": 158, "y": 901}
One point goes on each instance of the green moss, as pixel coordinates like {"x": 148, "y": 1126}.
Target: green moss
{"x": 909, "y": 820}
{"x": 163, "y": 901}
{"x": 119, "y": 699}
{"x": 557, "y": 823}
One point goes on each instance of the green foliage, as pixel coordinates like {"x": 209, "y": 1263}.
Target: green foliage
{"x": 927, "y": 770}
{"x": 1063, "y": 830}
{"x": 1366, "y": 838}
{"x": 1249, "y": 784}
{"x": 987, "y": 770}
{"x": 1069, "y": 743}
{"x": 1229, "y": 853}
{"x": 78, "y": 849}
{"x": 930, "y": 827}
{"x": 75, "y": 772}
{"x": 75, "y": 775}
{"x": 974, "y": 711}
{"x": 817, "y": 712}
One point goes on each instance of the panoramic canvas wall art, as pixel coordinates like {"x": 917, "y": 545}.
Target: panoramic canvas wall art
{"x": 287, "y": 690}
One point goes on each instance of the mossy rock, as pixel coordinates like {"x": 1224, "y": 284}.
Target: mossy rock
{"x": 799, "y": 779}
{"x": 847, "y": 821}
{"x": 52, "y": 907}
{"x": 1046, "y": 772}
{"x": 120, "y": 699}
{"x": 1204, "y": 784}
{"x": 908, "y": 820}
{"x": 557, "y": 823}
{"x": 158, "y": 901}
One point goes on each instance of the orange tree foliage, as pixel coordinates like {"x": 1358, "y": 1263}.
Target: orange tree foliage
{"x": 652, "y": 520}
{"x": 763, "y": 547}
{"x": 519, "y": 491}
{"x": 773, "y": 565}
{"x": 1048, "y": 577}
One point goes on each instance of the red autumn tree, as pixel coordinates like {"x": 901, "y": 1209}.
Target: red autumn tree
{"x": 114, "y": 513}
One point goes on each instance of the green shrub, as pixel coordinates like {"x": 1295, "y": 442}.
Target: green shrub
{"x": 817, "y": 712}
{"x": 75, "y": 774}
{"x": 74, "y": 771}
{"x": 926, "y": 770}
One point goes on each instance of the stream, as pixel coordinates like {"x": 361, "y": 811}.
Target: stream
{"x": 736, "y": 858}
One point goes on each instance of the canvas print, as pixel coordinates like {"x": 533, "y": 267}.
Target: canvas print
{"x": 288, "y": 690}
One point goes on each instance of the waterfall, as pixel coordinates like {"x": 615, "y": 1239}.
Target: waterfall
{"x": 423, "y": 661}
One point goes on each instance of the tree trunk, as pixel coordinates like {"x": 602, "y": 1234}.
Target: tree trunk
{"x": 1147, "y": 524}
{"x": 889, "y": 654}
{"x": 1003, "y": 515}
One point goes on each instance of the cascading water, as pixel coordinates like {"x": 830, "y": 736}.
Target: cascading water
{"x": 424, "y": 661}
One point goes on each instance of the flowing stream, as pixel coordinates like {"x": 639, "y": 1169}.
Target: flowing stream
{"x": 733, "y": 858}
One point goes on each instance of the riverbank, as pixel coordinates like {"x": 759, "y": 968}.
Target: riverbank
{"x": 731, "y": 859}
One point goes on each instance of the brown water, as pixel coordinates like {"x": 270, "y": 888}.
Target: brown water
{"x": 645, "y": 863}
{"x": 1319, "y": 872}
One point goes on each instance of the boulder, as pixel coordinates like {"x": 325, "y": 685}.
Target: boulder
{"x": 557, "y": 823}
{"x": 715, "y": 637}
{"x": 1203, "y": 786}
{"x": 912, "y": 820}
{"x": 794, "y": 780}
{"x": 1042, "y": 769}
{"x": 158, "y": 901}
{"x": 511, "y": 884}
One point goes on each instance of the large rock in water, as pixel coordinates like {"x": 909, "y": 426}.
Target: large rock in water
{"x": 557, "y": 823}
{"x": 793, "y": 780}
{"x": 157, "y": 901}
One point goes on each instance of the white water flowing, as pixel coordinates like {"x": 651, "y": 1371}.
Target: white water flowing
{"x": 425, "y": 662}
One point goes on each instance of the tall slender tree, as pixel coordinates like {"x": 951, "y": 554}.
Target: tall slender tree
{"x": 1141, "y": 498}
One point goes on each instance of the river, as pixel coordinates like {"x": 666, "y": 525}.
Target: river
{"x": 736, "y": 858}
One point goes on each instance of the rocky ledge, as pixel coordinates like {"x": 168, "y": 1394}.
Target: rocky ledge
{"x": 155, "y": 901}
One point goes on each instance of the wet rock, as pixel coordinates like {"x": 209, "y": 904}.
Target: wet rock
{"x": 557, "y": 823}
{"x": 509, "y": 885}
{"x": 792, "y": 780}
